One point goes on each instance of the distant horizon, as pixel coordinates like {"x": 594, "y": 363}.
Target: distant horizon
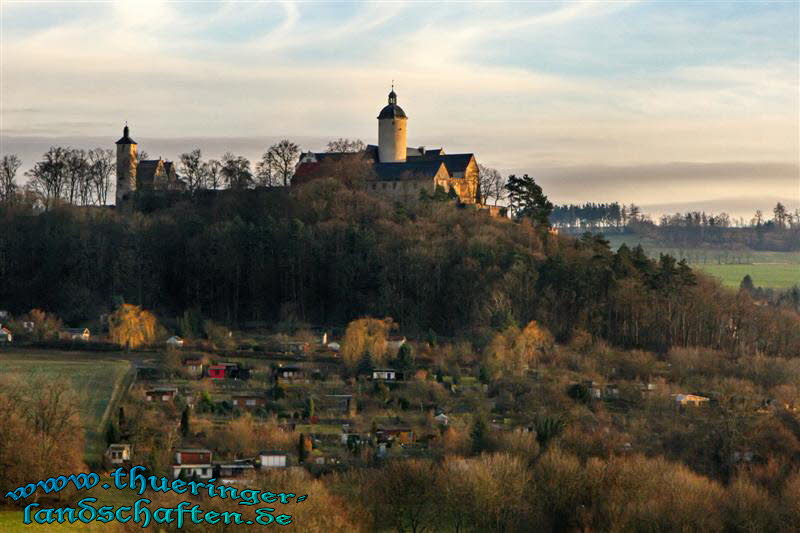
{"x": 564, "y": 185}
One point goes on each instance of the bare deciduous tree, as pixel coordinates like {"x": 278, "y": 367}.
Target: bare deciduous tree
{"x": 213, "y": 174}
{"x": 48, "y": 176}
{"x": 77, "y": 170}
{"x": 49, "y": 425}
{"x": 236, "y": 171}
{"x": 193, "y": 170}
{"x": 9, "y": 166}
{"x": 283, "y": 156}
{"x": 780, "y": 215}
{"x": 101, "y": 165}
{"x": 346, "y": 145}
{"x": 490, "y": 184}
{"x": 265, "y": 171}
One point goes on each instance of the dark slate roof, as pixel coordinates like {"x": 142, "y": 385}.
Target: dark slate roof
{"x": 169, "y": 168}
{"x": 454, "y": 162}
{"x": 372, "y": 152}
{"x": 392, "y": 111}
{"x": 146, "y": 171}
{"x": 430, "y": 152}
{"x": 126, "y": 139}
{"x": 398, "y": 171}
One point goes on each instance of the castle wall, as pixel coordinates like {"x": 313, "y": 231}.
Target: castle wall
{"x": 466, "y": 185}
{"x": 404, "y": 191}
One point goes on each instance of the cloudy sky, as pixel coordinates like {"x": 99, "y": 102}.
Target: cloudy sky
{"x": 667, "y": 104}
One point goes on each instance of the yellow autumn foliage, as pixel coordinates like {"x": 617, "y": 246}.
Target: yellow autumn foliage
{"x": 514, "y": 350}
{"x": 131, "y": 326}
{"x": 366, "y": 335}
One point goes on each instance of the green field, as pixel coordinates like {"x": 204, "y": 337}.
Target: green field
{"x": 99, "y": 383}
{"x": 773, "y": 275}
{"x": 776, "y": 270}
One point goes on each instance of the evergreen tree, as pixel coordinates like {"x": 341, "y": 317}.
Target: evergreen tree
{"x": 302, "y": 453}
{"x": 185, "y": 424}
{"x": 190, "y": 324}
{"x": 527, "y": 199}
{"x": 480, "y": 435}
{"x": 309, "y": 408}
{"x": 547, "y": 428}
{"x": 483, "y": 375}
{"x": 365, "y": 366}
{"x": 112, "y": 433}
{"x": 277, "y": 392}
{"x": 404, "y": 362}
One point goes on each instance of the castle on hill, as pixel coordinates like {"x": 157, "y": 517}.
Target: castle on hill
{"x": 402, "y": 173}
{"x": 398, "y": 172}
{"x": 148, "y": 174}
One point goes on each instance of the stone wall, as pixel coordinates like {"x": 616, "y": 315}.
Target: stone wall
{"x": 465, "y": 186}
{"x": 404, "y": 191}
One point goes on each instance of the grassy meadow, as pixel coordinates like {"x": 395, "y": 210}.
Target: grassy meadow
{"x": 775, "y": 270}
{"x": 99, "y": 382}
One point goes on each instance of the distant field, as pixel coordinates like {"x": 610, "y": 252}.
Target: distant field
{"x": 98, "y": 382}
{"x": 778, "y": 276}
{"x": 777, "y": 270}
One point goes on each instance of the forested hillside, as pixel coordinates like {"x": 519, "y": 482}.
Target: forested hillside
{"x": 325, "y": 254}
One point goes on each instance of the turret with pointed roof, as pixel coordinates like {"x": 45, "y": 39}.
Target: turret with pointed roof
{"x": 126, "y": 138}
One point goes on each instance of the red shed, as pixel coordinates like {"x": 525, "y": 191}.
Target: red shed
{"x": 217, "y": 371}
{"x": 192, "y": 456}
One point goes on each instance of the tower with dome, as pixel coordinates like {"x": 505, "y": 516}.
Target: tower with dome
{"x": 401, "y": 173}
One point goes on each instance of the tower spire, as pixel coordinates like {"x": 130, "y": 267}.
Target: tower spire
{"x": 126, "y": 135}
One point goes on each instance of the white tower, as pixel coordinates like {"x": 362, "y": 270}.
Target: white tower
{"x": 392, "y": 134}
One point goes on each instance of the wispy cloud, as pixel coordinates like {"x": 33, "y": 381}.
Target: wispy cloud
{"x": 524, "y": 85}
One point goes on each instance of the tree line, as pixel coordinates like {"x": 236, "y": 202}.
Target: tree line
{"x": 75, "y": 176}
{"x": 615, "y": 215}
{"x": 274, "y": 169}
{"x": 692, "y": 228}
{"x": 87, "y": 177}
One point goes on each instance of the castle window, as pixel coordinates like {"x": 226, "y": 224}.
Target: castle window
{"x": 384, "y": 185}
{"x": 394, "y": 185}
{"x": 374, "y": 186}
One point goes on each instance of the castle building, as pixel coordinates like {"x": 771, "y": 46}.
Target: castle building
{"x": 402, "y": 173}
{"x": 141, "y": 175}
